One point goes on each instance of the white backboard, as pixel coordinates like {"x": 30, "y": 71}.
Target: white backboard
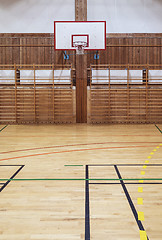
{"x": 93, "y": 32}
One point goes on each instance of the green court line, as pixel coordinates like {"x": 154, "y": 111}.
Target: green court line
{"x": 80, "y": 179}
{"x": 73, "y": 165}
{"x": 158, "y": 128}
{"x": 3, "y": 128}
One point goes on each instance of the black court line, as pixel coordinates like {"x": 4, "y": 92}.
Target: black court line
{"x": 3, "y": 128}
{"x": 139, "y": 223}
{"x": 124, "y": 165}
{"x": 87, "y": 208}
{"x": 158, "y": 128}
{"x": 9, "y": 165}
{"x": 5, "y": 184}
{"x": 127, "y": 183}
{"x": 122, "y": 183}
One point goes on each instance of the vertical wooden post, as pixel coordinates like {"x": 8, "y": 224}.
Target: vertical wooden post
{"x": 81, "y": 88}
{"x": 81, "y": 69}
{"x": 128, "y": 95}
{"x": 109, "y": 91}
{"x": 34, "y": 96}
{"x": 147, "y": 69}
{"x": 15, "y": 93}
{"x": 80, "y": 10}
{"x": 53, "y": 93}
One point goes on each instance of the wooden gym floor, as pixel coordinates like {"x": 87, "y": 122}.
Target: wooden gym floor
{"x": 37, "y": 206}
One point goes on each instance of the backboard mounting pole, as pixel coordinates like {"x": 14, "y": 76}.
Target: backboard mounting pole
{"x": 80, "y": 10}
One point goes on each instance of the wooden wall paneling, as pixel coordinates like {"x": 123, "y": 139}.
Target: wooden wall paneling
{"x": 126, "y": 104}
{"x": 15, "y": 51}
{"x": 115, "y": 59}
{"x": 46, "y": 52}
{"x": 53, "y": 57}
{"x": 158, "y": 51}
{"x": 1, "y": 51}
{"x": 147, "y": 51}
{"x": 21, "y": 51}
{"x": 153, "y": 51}
{"x": 63, "y": 105}
{"x": 151, "y": 56}
{"x": 137, "y": 106}
{"x": 122, "y": 51}
{"x": 32, "y": 51}
{"x": 134, "y": 52}
{"x": 155, "y": 105}
{"x": 24, "y": 53}
{"x": 58, "y": 57}
{"x": 28, "y": 52}
{"x": 7, "y": 105}
{"x": 42, "y": 58}
{"x": 130, "y": 51}
{"x": 11, "y": 55}
{"x": 160, "y": 40}
{"x": 30, "y": 103}
{"x": 25, "y": 105}
{"x": 90, "y": 58}
{"x": 108, "y": 50}
{"x": 119, "y": 105}
{"x": 44, "y": 105}
{"x": 99, "y": 103}
{"x": 126, "y": 42}
{"x": 142, "y": 51}
{"x": 39, "y": 52}
{"x": 137, "y": 52}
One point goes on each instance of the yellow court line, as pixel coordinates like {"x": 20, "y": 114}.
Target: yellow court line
{"x": 144, "y": 166}
{"x": 143, "y": 235}
{"x": 141, "y": 216}
{"x": 140, "y": 201}
{"x": 140, "y": 189}
{"x": 141, "y": 181}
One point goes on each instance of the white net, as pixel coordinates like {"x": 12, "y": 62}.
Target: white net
{"x": 80, "y": 46}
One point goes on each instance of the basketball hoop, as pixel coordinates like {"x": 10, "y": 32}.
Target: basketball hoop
{"x": 80, "y": 46}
